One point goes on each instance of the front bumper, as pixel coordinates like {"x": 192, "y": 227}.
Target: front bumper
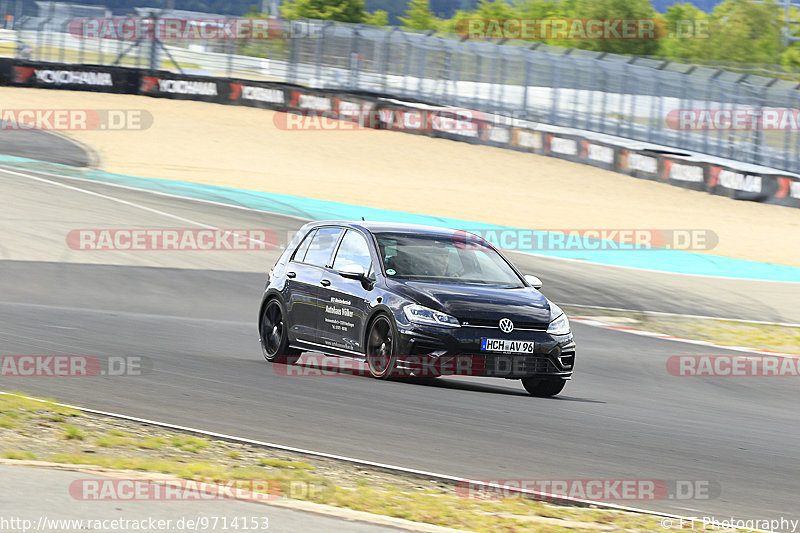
{"x": 453, "y": 351}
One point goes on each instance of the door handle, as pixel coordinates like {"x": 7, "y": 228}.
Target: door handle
{"x": 290, "y": 275}
{"x": 325, "y": 282}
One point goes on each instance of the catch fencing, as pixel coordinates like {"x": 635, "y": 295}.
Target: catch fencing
{"x": 730, "y": 115}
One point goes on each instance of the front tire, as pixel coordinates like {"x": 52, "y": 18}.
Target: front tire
{"x": 543, "y": 387}
{"x": 274, "y": 334}
{"x": 381, "y": 347}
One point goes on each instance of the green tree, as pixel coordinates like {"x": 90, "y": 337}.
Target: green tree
{"x": 419, "y": 16}
{"x": 541, "y": 10}
{"x": 687, "y": 33}
{"x": 791, "y": 58}
{"x": 495, "y": 9}
{"x": 457, "y": 23}
{"x": 341, "y": 10}
{"x": 615, "y": 9}
{"x": 378, "y": 18}
{"x": 746, "y": 32}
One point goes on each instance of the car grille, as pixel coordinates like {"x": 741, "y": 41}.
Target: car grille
{"x": 493, "y": 323}
{"x": 516, "y": 365}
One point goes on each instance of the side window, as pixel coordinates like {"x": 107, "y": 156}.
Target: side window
{"x": 300, "y": 253}
{"x": 321, "y": 248}
{"x": 354, "y": 250}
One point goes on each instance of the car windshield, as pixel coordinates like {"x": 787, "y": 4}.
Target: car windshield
{"x": 444, "y": 258}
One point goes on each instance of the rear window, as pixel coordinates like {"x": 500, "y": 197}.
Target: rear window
{"x": 300, "y": 253}
{"x": 321, "y": 247}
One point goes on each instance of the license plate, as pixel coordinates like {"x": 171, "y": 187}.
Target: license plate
{"x": 506, "y": 346}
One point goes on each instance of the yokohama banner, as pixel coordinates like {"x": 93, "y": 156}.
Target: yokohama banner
{"x": 641, "y": 164}
{"x": 598, "y": 154}
{"x": 787, "y": 191}
{"x": 684, "y": 172}
{"x": 71, "y": 77}
{"x": 527, "y": 140}
{"x": 168, "y": 85}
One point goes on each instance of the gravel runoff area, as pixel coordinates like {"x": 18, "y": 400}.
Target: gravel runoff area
{"x": 242, "y": 147}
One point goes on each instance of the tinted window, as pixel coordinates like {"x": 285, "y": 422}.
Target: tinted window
{"x": 321, "y": 248}
{"x": 300, "y": 253}
{"x": 354, "y": 250}
{"x": 444, "y": 258}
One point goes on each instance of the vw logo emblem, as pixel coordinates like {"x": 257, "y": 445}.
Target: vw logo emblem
{"x": 506, "y": 326}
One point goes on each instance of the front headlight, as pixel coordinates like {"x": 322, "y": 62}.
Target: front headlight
{"x": 419, "y": 314}
{"x": 559, "y": 326}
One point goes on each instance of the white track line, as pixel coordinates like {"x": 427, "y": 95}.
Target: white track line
{"x": 589, "y": 321}
{"x": 454, "y": 480}
{"x": 129, "y": 204}
{"x": 662, "y": 313}
{"x": 543, "y": 256}
{"x": 157, "y": 193}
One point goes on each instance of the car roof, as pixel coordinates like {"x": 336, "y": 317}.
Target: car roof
{"x": 389, "y": 227}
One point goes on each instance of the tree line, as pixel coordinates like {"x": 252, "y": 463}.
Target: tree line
{"x": 734, "y": 31}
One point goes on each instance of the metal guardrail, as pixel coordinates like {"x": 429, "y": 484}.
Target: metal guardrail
{"x": 623, "y": 96}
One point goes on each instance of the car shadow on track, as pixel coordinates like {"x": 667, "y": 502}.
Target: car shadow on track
{"x": 357, "y": 369}
{"x": 458, "y": 384}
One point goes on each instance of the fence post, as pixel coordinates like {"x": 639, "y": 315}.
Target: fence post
{"x": 655, "y": 124}
{"x": 291, "y": 74}
{"x": 787, "y": 133}
{"x": 633, "y": 90}
{"x": 527, "y": 55}
{"x": 795, "y": 164}
{"x": 355, "y": 62}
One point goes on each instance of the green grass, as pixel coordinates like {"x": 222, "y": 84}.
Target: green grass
{"x": 8, "y": 422}
{"x": 114, "y": 441}
{"x": 382, "y": 493}
{"x": 190, "y": 444}
{"x": 282, "y": 463}
{"x": 19, "y": 455}
{"x": 73, "y": 433}
{"x": 20, "y": 404}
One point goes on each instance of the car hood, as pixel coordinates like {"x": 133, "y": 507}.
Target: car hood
{"x": 479, "y": 304}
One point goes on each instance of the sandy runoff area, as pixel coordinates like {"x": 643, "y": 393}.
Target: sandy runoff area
{"x": 243, "y": 147}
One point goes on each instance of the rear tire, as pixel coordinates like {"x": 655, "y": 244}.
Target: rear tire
{"x": 381, "y": 347}
{"x": 543, "y": 387}
{"x": 273, "y": 334}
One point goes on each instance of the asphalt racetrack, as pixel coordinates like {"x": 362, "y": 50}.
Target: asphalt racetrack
{"x": 192, "y": 315}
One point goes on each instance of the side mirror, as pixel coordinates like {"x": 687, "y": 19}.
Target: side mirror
{"x": 353, "y": 271}
{"x": 533, "y": 281}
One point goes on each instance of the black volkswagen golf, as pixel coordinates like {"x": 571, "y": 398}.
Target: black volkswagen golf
{"x": 416, "y": 301}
